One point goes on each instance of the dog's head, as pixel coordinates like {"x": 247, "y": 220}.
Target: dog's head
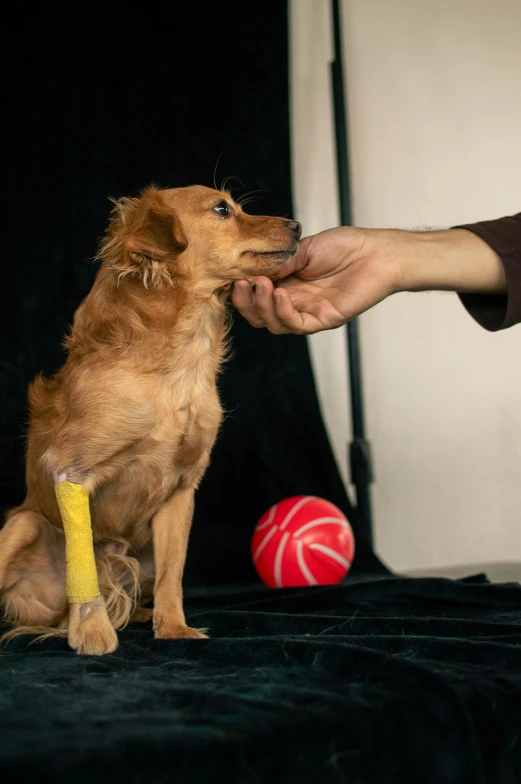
{"x": 195, "y": 234}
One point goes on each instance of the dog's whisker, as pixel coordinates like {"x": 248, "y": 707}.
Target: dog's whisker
{"x": 252, "y": 193}
{"x": 215, "y": 170}
{"x": 225, "y": 183}
{"x": 227, "y": 180}
{"x": 249, "y": 201}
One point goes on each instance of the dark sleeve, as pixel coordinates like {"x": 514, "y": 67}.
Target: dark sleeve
{"x": 495, "y": 312}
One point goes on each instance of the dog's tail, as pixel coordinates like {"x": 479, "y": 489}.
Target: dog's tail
{"x": 119, "y": 581}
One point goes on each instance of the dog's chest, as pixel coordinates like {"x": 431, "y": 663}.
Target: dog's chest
{"x": 187, "y": 417}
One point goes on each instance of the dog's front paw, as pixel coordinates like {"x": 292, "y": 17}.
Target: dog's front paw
{"x": 165, "y": 630}
{"x": 90, "y": 630}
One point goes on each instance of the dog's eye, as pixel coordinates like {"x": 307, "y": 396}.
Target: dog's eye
{"x": 223, "y": 209}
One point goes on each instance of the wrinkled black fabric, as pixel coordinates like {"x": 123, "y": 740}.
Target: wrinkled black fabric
{"x": 379, "y": 681}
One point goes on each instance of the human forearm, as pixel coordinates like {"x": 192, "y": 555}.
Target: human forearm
{"x": 451, "y": 260}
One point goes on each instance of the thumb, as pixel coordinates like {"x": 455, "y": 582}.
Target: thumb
{"x": 301, "y": 257}
{"x": 298, "y": 261}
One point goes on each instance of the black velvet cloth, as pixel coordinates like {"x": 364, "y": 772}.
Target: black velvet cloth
{"x": 378, "y": 680}
{"x": 92, "y": 112}
{"x": 382, "y": 681}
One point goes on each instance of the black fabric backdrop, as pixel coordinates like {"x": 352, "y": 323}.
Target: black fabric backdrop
{"x": 105, "y": 99}
{"x": 378, "y": 680}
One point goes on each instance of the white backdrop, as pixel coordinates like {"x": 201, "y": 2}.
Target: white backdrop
{"x": 434, "y": 89}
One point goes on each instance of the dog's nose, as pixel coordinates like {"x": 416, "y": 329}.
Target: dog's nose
{"x": 295, "y": 227}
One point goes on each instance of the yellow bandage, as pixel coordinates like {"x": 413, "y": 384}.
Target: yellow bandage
{"x": 81, "y": 577}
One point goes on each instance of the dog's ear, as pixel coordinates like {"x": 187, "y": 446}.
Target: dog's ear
{"x": 144, "y": 238}
{"x": 152, "y": 230}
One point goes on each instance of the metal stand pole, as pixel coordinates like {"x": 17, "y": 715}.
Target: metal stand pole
{"x": 359, "y": 449}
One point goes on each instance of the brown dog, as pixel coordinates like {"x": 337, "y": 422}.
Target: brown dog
{"x": 133, "y": 414}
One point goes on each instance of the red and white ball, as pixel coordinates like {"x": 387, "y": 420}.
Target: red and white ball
{"x": 302, "y": 540}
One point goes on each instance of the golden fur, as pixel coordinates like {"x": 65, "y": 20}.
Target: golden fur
{"x": 134, "y": 413}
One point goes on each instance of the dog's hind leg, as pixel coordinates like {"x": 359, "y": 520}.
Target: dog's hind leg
{"x": 32, "y": 586}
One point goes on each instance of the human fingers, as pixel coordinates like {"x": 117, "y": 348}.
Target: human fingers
{"x": 265, "y": 305}
{"x": 294, "y": 321}
{"x": 244, "y": 300}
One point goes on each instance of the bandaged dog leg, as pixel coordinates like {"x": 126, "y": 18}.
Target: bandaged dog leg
{"x": 89, "y": 628}
{"x": 81, "y": 577}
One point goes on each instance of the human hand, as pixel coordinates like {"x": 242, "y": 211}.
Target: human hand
{"x": 333, "y": 277}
